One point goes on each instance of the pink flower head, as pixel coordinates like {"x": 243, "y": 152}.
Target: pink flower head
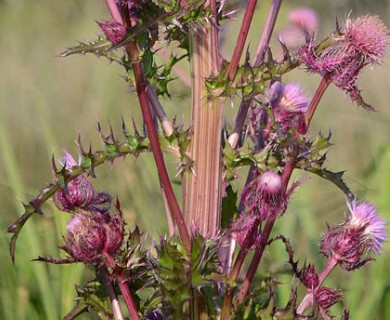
{"x": 369, "y": 37}
{"x": 364, "y": 215}
{"x": 91, "y": 235}
{"x": 114, "y": 31}
{"x": 67, "y": 161}
{"x": 265, "y": 196}
{"x": 363, "y": 231}
{"x": 342, "y": 56}
{"x": 304, "y": 18}
{"x": 289, "y": 105}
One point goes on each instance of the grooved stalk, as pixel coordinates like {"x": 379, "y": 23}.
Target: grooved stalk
{"x": 202, "y": 184}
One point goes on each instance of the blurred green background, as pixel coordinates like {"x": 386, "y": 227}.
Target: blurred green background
{"x": 45, "y": 100}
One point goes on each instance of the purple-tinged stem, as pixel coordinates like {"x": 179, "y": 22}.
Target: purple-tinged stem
{"x": 267, "y": 31}
{"x": 243, "y": 34}
{"x": 307, "y": 301}
{"x": 141, "y": 87}
{"x": 166, "y": 124}
{"x": 114, "y": 10}
{"x": 261, "y": 49}
{"x": 324, "y": 84}
{"x": 143, "y": 98}
{"x": 122, "y": 282}
{"x": 115, "y": 306}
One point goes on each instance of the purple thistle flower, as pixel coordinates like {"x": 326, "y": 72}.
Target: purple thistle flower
{"x": 348, "y": 242}
{"x": 265, "y": 196}
{"x": 114, "y": 31}
{"x": 304, "y": 18}
{"x": 364, "y": 215}
{"x": 289, "y": 105}
{"x": 303, "y": 21}
{"x": 369, "y": 37}
{"x": 342, "y": 56}
{"x": 92, "y": 235}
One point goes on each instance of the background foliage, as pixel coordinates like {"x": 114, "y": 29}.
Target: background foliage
{"x": 45, "y": 100}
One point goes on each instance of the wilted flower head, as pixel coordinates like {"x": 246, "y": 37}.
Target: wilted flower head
{"x": 92, "y": 235}
{"x": 363, "y": 231}
{"x": 265, "y": 195}
{"x": 114, "y": 31}
{"x": 289, "y": 104}
{"x": 342, "y": 56}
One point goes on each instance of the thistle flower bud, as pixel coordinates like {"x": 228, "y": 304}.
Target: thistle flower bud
{"x": 309, "y": 277}
{"x": 91, "y": 235}
{"x": 327, "y": 297}
{"x": 247, "y": 229}
{"x": 77, "y": 194}
{"x": 114, "y": 31}
{"x": 265, "y": 196}
{"x": 363, "y": 231}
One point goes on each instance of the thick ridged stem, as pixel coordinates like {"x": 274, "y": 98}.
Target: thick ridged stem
{"x": 202, "y": 184}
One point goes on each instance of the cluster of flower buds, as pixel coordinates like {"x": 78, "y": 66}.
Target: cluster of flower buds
{"x": 342, "y": 56}
{"x": 93, "y": 232}
{"x": 362, "y": 232}
{"x": 322, "y": 296}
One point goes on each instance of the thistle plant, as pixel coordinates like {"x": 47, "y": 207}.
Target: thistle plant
{"x": 205, "y": 266}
